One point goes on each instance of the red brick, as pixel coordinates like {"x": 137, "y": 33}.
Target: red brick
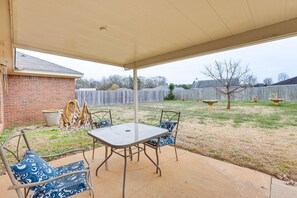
{"x": 26, "y": 96}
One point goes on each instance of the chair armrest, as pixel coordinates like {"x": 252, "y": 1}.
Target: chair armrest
{"x": 68, "y": 152}
{"x": 46, "y": 181}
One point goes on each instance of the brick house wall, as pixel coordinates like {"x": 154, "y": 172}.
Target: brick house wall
{"x": 1, "y": 104}
{"x": 28, "y": 95}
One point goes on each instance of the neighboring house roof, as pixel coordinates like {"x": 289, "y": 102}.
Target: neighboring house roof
{"x": 26, "y": 64}
{"x": 289, "y": 81}
{"x": 212, "y": 83}
{"x": 259, "y": 85}
{"x": 166, "y": 87}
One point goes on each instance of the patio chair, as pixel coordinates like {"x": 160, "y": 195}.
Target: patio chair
{"x": 169, "y": 120}
{"x": 39, "y": 178}
{"x": 100, "y": 119}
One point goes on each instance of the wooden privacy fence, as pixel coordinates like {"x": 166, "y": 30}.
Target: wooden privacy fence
{"x": 121, "y": 96}
{"x": 287, "y": 92}
{"x": 125, "y": 96}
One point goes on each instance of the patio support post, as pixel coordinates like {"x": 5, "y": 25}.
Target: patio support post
{"x": 135, "y": 80}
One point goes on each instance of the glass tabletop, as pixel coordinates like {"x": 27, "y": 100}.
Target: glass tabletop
{"x": 128, "y": 134}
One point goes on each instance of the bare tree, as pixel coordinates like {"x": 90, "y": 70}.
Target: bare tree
{"x": 122, "y": 81}
{"x": 159, "y": 81}
{"x": 230, "y": 75}
{"x": 149, "y": 83}
{"x": 93, "y": 83}
{"x": 250, "y": 80}
{"x": 116, "y": 79}
{"x": 81, "y": 83}
{"x": 283, "y": 76}
{"x": 267, "y": 81}
{"x": 153, "y": 81}
{"x": 104, "y": 84}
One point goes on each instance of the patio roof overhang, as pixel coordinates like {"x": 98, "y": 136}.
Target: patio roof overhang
{"x": 138, "y": 34}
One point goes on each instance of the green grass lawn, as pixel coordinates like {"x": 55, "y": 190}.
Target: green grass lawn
{"x": 259, "y": 135}
{"x": 261, "y": 114}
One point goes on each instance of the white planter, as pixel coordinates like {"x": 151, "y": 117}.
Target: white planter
{"x": 52, "y": 117}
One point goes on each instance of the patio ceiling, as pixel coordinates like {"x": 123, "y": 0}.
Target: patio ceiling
{"x": 141, "y": 33}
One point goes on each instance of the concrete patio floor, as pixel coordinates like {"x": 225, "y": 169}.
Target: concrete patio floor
{"x": 192, "y": 176}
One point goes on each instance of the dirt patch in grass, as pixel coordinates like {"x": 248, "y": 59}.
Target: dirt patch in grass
{"x": 269, "y": 150}
{"x": 255, "y": 109}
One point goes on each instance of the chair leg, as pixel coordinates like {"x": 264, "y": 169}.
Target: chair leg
{"x": 106, "y": 153}
{"x": 138, "y": 155}
{"x": 90, "y": 183}
{"x": 159, "y": 149}
{"x": 93, "y": 148}
{"x": 92, "y": 193}
{"x": 175, "y": 152}
{"x": 130, "y": 153}
{"x": 26, "y": 192}
{"x": 157, "y": 156}
{"x": 90, "y": 178}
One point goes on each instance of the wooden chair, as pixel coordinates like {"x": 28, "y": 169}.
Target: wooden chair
{"x": 40, "y": 179}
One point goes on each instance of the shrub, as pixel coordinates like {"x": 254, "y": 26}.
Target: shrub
{"x": 171, "y": 95}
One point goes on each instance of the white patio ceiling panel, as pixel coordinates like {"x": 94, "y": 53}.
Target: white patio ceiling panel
{"x": 146, "y": 32}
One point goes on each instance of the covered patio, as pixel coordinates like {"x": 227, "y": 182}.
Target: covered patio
{"x": 192, "y": 176}
{"x": 140, "y": 34}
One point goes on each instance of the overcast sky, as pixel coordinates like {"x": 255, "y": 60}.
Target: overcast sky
{"x": 264, "y": 60}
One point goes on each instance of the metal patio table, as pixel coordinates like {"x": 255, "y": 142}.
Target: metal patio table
{"x": 125, "y": 136}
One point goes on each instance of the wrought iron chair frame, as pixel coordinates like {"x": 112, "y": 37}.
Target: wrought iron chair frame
{"x": 17, "y": 186}
{"x": 170, "y": 115}
{"x": 105, "y": 113}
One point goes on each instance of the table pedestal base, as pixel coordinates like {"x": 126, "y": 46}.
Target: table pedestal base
{"x": 210, "y": 106}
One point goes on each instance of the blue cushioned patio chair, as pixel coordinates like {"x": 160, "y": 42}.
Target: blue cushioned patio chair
{"x": 169, "y": 120}
{"x": 100, "y": 119}
{"x": 40, "y": 179}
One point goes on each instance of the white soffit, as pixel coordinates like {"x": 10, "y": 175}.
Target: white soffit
{"x": 141, "y": 33}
